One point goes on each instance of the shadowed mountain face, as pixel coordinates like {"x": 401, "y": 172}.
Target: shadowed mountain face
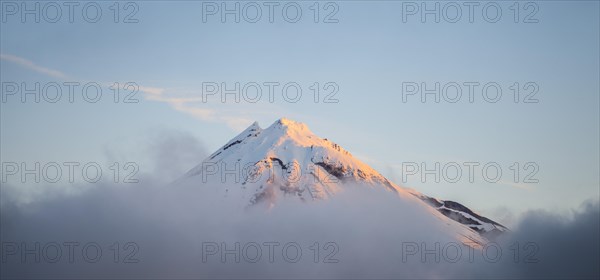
{"x": 264, "y": 166}
{"x": 465, "y": 216}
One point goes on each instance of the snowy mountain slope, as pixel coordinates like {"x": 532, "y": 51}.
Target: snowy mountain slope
{"x": 263, "y": 166}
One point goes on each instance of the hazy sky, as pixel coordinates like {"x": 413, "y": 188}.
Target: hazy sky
{"x": 370, "y": 53}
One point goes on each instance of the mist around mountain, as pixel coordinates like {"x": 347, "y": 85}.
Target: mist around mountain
{"x": 355, "y": 226}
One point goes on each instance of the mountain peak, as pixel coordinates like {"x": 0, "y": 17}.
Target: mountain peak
{"x": 287, "y": 159}
{"x": 289, "y": 145}
{"x": 288, "y": 124}
{"x": 286, "y": 121}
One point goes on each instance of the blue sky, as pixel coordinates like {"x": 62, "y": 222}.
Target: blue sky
{"x": 369, "y": 53}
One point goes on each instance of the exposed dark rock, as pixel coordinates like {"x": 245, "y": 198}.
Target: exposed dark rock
{"x": 231, "y": 144}
{"x": 280, "y": 162}
{"x": 459, "y": 207}
{"x": 457, "y": 211}
{"x": 433, "y": 202}
{"x": 336, "y": 171}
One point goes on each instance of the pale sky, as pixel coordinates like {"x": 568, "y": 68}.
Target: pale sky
{"x": 170, "y": 53}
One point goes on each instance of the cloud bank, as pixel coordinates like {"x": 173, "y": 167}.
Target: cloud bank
{"x": 153, "y": 230}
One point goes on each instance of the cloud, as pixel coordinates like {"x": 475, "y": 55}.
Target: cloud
{"x": 152, "y": 91}
{"x": 545, "y": 245}
{"x": 569, "y": 246}
{"x": 235, "y": 119}
{"x": 173, "y": 153}
{"x": 169, "y": 226}
{"x": 32, "y": 66}
{"x": 161, "y": 155}
{"x": 356, "y": 237}
{"x": 181, "y": 104}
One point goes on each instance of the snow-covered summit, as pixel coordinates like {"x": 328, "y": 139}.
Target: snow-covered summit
{"x": 287, "y": 124}
{"x": 263, "y": 166}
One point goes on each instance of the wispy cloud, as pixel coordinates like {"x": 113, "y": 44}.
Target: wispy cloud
{"x": 189, "y": 106}
{"x": 234, "y": 119}
{"x": 32, "y": 66}
{"x": 152, "y": 91}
